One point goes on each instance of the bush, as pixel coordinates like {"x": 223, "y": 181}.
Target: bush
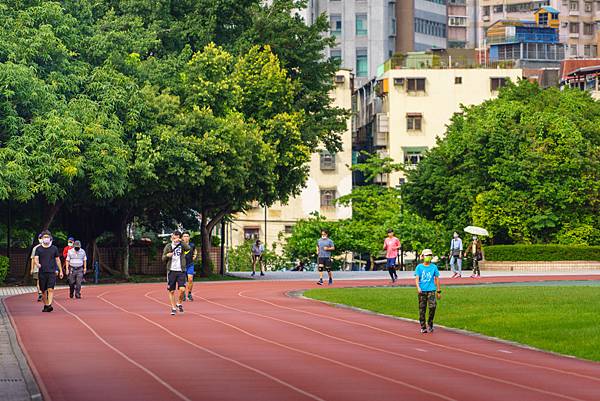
{"x": 240, "y": 259}
{"x": 497, "y": 253}
{"x": 3, "y": 268}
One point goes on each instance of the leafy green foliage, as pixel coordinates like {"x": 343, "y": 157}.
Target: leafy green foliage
{"x": 4, "y": 265}
{"x": 541, "y": 252}
{"x": 526, "y": 166}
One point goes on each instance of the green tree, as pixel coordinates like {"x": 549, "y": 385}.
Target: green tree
{"x": 525, "y": 165}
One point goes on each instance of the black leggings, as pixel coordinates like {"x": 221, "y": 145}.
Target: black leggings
{"x": 392, "y": 271}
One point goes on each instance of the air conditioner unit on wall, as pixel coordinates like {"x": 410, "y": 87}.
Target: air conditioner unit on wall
{"x": 399, "y": 81}
{"x": 339, "y": 79}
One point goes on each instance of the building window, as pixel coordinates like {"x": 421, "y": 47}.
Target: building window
{"x": 497, "y": 83}
{"x": 486, "y": 11}
{"x": 335, "y": 54}
{"x": 588, "y": 29}
{"x": 573, "y": 50}
{"x": 327, "y": 161}
{"x": 288, "y": 229}
{"x": 586, "y": 50}
{"x": 361, "y": 24}
{"x": 588, "y": 6}
{"x": 574, "y": 6}
{"x": 327, "y": 197}
{"x": 414, "y": 121}
{"x": 498, "y": 8}
{"x": 362, "y": 63}
{"x": 457, "y": 21}
{"x": 412, "y": 157}
{"x": 251, "y": 233}
{"x": 594, "y": 51}
{"x": 335, "y": 24}
{"x": 573, "y": 27}
{"x": 430, "y": 28}
{"x": 458, "y": 80}
{"x": 416, "y": 84}
{"x": 543, "y": 19}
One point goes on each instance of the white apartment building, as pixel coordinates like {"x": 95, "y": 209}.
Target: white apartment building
{"x": 330, "y": 177}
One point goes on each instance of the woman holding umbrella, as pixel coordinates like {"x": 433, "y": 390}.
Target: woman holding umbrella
{"x": 475, "y": 249}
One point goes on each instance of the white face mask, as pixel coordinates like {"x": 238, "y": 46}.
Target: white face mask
{"x": 46, "y": 241}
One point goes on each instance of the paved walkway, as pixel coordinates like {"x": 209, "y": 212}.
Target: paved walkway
{"x": 247, "y": 340}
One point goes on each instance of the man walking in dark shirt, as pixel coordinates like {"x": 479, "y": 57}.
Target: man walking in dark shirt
{"x": 47, "y": 259}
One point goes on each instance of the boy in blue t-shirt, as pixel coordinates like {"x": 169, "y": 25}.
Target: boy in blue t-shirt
{"x": 427, "y": 280}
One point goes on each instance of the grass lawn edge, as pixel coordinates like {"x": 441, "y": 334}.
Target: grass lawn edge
{"x": 300, "y": 295}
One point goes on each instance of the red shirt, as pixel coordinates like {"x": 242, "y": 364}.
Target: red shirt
{"x": 66, "y": 250}
{"x": 391, "y": 246}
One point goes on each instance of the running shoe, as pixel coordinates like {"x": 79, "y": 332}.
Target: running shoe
{"x": 39, "y": 298}
{"x": 423, "y": 330}
{"x": 330, "y": 281}
{"x": 320, "y": 282}
{"x": 45, "y": 308}
{"x": 173, "y": 312}
{"x": 253, "y": 273}
{"x": 190, "y": 297}
{"x": 262, "y": 274}
{"x": 180, "y": 308}
{"x": 50, "y": 308}
{"x": 78, "y": 296}
{"x": 430, "y": 329}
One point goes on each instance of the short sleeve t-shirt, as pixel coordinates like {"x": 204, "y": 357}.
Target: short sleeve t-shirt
{"x": 391, "y": 247}
{"x": 258, "y": 250}
{"x": 35, "y": 268}
{"x": 322, "y": 243}
{"x": 189, "y": 255}
{"x": 426, "y": 276}
{"x": 76, "y": 258}
{"x": 176, "y": 259}
{"x": 47, "y": 257}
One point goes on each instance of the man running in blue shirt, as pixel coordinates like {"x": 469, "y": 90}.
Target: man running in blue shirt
{"x": 427, "y": 280}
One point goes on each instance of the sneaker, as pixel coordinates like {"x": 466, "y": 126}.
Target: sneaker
{"x": 430, "y": 329}
{"x": 45, "y": 308}
{"x": 184, "y": 298}
{"x": 39, "y": 298}
{"x": 473, "y": 276}
{"x": 262, "y": 274}
{"x": 50, "y": 308}
{"x": 320, "y": 282}
{"x": 71, "y": 295}
{"x": 253, "y": 273}
{"x": 190, "y": 297}
{"x": 78, "y": 296}
{"x": 423, "y": 330}
{"x": 180, "y": 308}
{"x": 330, "y": 281}
{"x": 173, "y": 312}
{"x": 454, "y": 275}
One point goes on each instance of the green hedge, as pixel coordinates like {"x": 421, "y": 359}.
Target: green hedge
{"x": 497, "y": 253}
{"x": 3, "y": 268}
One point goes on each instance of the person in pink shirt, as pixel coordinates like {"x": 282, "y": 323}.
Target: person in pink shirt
{"x": 391, "y": 245}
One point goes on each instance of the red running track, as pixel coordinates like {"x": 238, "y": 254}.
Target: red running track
{"x": 250, "y": 341}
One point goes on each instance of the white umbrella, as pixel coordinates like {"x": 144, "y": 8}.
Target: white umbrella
{"x": 476, "y": 230}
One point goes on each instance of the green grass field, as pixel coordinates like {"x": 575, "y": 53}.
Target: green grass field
{"x": 564, "y": 319}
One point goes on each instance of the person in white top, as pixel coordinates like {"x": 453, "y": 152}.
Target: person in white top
{"x": 76, "y": 267}
{"x": 456, "y": 248}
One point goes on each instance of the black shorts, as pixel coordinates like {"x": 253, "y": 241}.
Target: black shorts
{"x": 47, "y": 280}
{"x": 324, "y": 264}
{"x": 176, "y": 280}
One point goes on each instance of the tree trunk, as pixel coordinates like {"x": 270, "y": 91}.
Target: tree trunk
{"x": 125, "y": 243}
{"x": 206, "y": 268}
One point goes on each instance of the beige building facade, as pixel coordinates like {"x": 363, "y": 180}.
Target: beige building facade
{"x": 330, "y": 177}
{"x": 417, "y": 104}
{"x": 580, "y": 27}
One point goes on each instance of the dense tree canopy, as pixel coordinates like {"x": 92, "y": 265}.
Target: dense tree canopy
{"x": 158, "y": 110}
{"x": 525, "y": 165}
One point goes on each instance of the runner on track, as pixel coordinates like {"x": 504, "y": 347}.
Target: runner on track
{"x": 47, "y": 259}
{"x": 190, "y": 256}
{"x": 174, "y": 256}
{"x": 391, "y": 245}
{"x": 324, "y": 247}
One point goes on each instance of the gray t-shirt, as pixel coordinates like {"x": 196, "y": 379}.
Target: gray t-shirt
{"x": 76, "y": 258}
{"x": 322, "y": 243}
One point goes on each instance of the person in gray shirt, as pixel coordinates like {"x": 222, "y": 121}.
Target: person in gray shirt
{"x": 324, "y": 247}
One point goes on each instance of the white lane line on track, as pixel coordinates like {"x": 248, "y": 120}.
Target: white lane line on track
{"x": 333, "y": 361}
{"x": 216, "y": 354}
{"x": 531, "y": 365}
{"x": 421, "y": 350}
{"x": 504, "y": 351}
{"x": 128, "y": 359}
{"x": 404, "y": 356}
